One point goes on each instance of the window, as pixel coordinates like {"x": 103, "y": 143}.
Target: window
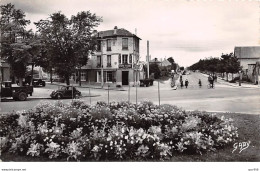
{"x": 125, "y": 43}
{"x": 83, "y": 76}
{"x": 98, "y": 76}
{"x": 114, "y": 42}
{"x": 109, "y": 76}
{"x": 130, "y": 59}
{"x": 109, "y": 60}
{"x": 119, "y": 59}
{"x": 98, "y": 61}
{"x": 99, "y": 45}
{"x": 125, "y": 59}
{"x": 108, "y": 45}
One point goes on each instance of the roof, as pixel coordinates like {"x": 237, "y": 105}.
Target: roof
{"x": 165, "y": 62}
{"x": 247, "y": 52}
{"x": 116, "y": 33}
{"x": 155, "y": 60}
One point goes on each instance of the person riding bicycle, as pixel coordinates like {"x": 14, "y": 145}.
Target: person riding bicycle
{"x": 211, "y": 81}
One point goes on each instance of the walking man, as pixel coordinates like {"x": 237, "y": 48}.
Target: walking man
{"x": 186, "y": 83}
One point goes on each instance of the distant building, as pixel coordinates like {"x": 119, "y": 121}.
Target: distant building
{"x": 117, "y": 53}
{"x": 248, "y": 57}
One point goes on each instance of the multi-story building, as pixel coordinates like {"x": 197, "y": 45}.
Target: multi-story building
{"x": 116, "y": 56}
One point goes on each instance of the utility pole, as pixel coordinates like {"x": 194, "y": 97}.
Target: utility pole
{"x": 148, "y": 60}
{"x": 102, "y": 74}
{"x": 159, "y": 93}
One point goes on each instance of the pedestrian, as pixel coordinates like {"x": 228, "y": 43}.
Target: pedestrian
{"x": 211, "y": 81}
{"x": 181, "y": 78}
{"x": 215, "y": 78}
{"x": 181, "y": 83}
{"x": 186, "y": 83}
{"x": 172, "y": 83}
{"x": 200, "y": 84}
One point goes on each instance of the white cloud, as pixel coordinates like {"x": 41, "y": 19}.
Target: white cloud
{"x": 182, "y": 29}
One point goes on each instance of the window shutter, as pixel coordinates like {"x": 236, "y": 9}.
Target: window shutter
{"x": 119, "y": 59}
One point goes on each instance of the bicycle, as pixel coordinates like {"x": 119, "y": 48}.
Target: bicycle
{"x": 210, "y": 86}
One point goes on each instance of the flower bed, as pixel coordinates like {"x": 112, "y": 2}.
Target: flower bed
{"x": 118, "y": 131}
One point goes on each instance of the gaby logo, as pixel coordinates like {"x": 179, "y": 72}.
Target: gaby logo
{"x": 241, "y": 146}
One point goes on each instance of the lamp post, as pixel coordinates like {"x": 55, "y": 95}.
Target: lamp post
{"x": 240, "y": 77}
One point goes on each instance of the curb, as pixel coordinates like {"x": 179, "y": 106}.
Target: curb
{"x": 104, "y": 88}
{"x": 220, "y": 81}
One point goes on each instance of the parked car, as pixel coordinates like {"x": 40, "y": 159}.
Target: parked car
{"x": 16, "y": 92}
{"x": 66, "y": 92}
{"x": 38, "y": 82}
{"x": 146, "y": 82}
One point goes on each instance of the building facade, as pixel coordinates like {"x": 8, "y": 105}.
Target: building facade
{"x": 115, "y": 59}
{"x": 249, "y": 58}
{"x": 5, "y": 73}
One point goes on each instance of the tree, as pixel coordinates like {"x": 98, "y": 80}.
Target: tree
{"x": 16, "y": 46}
{"x": 171, "y": 60}
{"x": 230, "y": 63}
{"x": 68, "y": 41}
{"x": 173, "y": 64}
{"x": 154, "y": 68}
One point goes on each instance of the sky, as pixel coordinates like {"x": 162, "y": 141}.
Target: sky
{"x": 187, "y": 30}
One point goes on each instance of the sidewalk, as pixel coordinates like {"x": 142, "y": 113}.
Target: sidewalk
{"x": 92, "y": 86}
{"x": 220, "y": 80}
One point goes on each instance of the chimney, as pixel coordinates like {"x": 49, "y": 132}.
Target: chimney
{"x": 115, "y": 29}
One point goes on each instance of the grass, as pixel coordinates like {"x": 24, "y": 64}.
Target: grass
{"x": 248, "y": 130}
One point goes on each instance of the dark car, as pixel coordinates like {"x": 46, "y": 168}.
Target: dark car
{"x": 38, "y": 82}
{"x": 66, "y": 92}
{"x": 35, "y": 82}
{"x": 17, "y": 92}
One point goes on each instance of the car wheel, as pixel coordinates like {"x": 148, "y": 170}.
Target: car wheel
{"x": 22, "y": 96}
{"x": 58, "y": 96}
{"x": 77, "y": 96}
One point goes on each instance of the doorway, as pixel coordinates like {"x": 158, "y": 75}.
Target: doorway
{"x": 124, "y": 77}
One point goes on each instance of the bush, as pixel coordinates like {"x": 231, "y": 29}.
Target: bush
{"x": 115, "y": 131}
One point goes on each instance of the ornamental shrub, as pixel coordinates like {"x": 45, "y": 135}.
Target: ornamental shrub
{"x": 112, "y": 132}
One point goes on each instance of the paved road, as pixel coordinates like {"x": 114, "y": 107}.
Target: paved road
{"x": 223, "y": 98}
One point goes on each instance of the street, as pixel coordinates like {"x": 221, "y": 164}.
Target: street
{"x": 223, "y": 98}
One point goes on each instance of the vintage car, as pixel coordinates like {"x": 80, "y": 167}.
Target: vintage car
{"x": 16, "y": 92}
{"x": 38, "y": 82}
{"x": 66, "y": 92}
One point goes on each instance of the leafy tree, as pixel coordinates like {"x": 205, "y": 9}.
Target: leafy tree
{"x": 230, "y": 63}
{"x": 182, "y": 68}
{"x": 173, "y": 64}
{"x": 154, "y": 68}
{"x": 171, "y": 60}
{"x": 17, "y": 47}
{"x": 68, "y": 42}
